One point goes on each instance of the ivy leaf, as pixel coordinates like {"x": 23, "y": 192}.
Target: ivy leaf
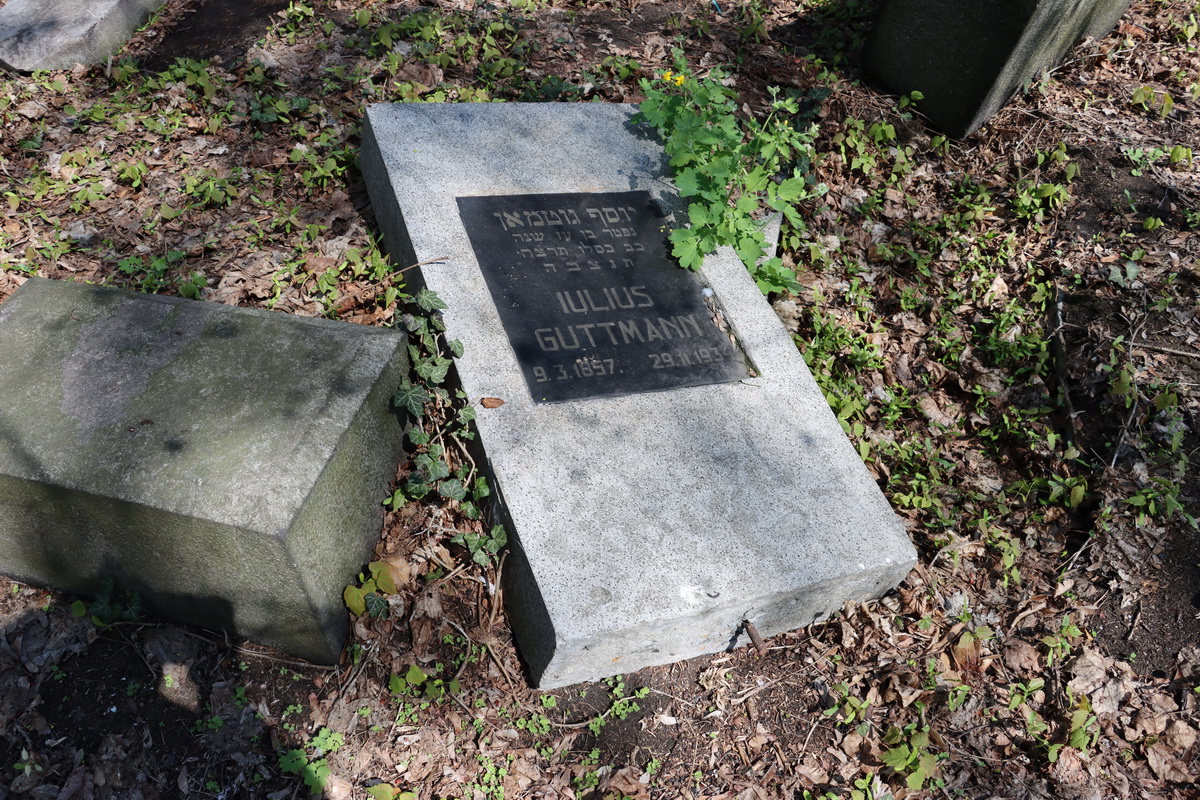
{"x": 376, "y": 606}
{"x": 452, "y": 489}
{"x": 497, "y": 540}
{"x": 381, "y": 573}
{"x": 433, "y": 370}
{"x": 482, "y": 489}
{"x": 416, "y": 488}
{"x": 412, "y": 397}
{"x": 428, "y": 301}
{"x": 430, "y": 470}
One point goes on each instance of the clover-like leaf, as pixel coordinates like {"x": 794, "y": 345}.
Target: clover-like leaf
{"x": 686, "y": 248}
{"x": 293, "y": 761}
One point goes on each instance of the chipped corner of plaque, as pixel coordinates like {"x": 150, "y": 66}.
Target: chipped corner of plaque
{"x": 670, "y": 206}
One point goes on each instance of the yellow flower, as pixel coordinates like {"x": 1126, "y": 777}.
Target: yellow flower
{"x": 679, "y": 79}
{"x": 667, "y": 75}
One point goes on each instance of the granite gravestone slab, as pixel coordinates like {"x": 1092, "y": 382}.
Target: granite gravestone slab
{"x": 968, "y": 57}
{"x": 58, "y": 34}
{"x": 590, "y": 300}
{"x": 646, "y": 526}
{"x": 225, "y": 464}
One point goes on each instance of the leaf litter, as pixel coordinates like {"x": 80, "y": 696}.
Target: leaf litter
{"x": 1045, "y": 646}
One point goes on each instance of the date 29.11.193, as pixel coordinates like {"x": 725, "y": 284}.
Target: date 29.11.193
{"x": 602, "y": 367}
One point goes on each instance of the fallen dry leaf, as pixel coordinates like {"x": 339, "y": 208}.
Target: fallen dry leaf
{"x": 79, "y": 786}
{"x": 1020, "y": 656}
{"x": 1165, "y": 764}
{"x": 965, "y": 653}
{"x": 338, "y": 788}
{"x": 1106, "y": 681}
{"x": 426, "y": 623}
{"x": 627, "y": 783}
{"x": 1179, "y": 736}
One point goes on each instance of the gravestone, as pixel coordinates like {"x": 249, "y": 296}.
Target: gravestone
{"x": 58, "y": 34}
{"x": 666, "y": 465}
{"x": 225, "y": 464}
{"x": 968, "y": 57}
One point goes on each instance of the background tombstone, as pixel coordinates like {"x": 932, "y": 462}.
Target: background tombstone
{"x": 226, "y": 464}
{"x": 645, "y": 526}
{"x": 58, "y": 34}
{"x": 968, "y": 57}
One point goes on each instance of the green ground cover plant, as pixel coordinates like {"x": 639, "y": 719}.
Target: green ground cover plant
{"x": 731, "y": 171}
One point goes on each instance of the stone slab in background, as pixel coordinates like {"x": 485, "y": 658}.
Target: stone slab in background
{"x": 58, "y": 34}
{"x": 645, "y": 527}
{"x": 226, "y": 464}
{"x": 968, "y": 57}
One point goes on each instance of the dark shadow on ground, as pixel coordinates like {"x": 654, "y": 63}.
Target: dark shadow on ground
{"x": 834, "y": 32}
{"x": 214, "y": 30}
{"x": 131, "y": 709}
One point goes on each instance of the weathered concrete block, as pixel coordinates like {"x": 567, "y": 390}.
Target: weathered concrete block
{"x": 58, "y": 34}
{"x": 645, "y": 527}
{"x": 226, "y": 464}
{"x": 968, "y": 57}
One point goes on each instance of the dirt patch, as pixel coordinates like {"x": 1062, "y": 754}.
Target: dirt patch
{"x": 220, "y": 31}
{"x": 1149, "y": 629}
{"x": 1111, "y": 192}
{"x": 1152, "y": 611}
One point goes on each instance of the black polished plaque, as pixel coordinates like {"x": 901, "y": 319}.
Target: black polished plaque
{"x": 592, "y": 303}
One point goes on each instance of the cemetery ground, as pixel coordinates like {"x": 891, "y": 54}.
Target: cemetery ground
{"x": 1007, "y": 327}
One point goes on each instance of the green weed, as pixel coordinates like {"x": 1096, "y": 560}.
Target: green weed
{"x": 910, "y": 755}
{"x": 110, "y": 605}
{"x": 1153, "y": 101}
{"x": 730, "y": 170}
{"x": 310, "y": 762}
{"x": 1059, "y": 644}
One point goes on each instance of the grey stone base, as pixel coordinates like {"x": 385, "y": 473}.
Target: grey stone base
{"x": 58, "y": 34}
{"x": 226, "y": 464}
{"x": 645, "y": 527}
{"x": 968, "y": 57}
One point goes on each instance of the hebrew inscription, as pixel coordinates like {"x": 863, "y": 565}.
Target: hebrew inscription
{"x": 590, "y": 299}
